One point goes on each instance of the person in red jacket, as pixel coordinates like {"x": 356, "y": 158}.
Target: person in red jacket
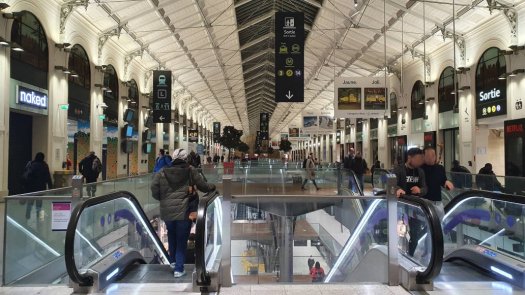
{"x": 317, "y": 273}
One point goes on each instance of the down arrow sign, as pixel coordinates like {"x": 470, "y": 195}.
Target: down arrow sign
{"x": 289, "y": 95}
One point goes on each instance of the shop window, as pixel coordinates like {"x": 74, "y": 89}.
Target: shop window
{"x": 373, "y": 123}
{"x": 79, "y": 64}
{"x": 133, "y": 95}
{"x": 417, "y": 100}
{"x": 446, "y": 97}
{"x": 393, "y": 109}
{"x": 32, "y": 64}
{"x": 111, "y": 95}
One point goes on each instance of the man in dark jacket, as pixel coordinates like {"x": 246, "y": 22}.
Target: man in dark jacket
{"x": 37, "y": 178}
{"x": 90, "y": 168}
{"x": 435, "y": 178}
{"x": 172, "y": 187}
{"x": 486, "y": 179}
{"x": 461, "y": 176}
{"x": 359, "y": 167}
{"x": 410, "y": 177}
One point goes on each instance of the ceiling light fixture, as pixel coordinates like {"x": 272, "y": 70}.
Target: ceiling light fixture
{"x": 355, "y": 3}
{"x": 74, "y": 74}
{"x": 4, "y": 42}
{"x": 16, "y": 47}
{"x": 516, "y": 72}
{"x": 503, "y": 76}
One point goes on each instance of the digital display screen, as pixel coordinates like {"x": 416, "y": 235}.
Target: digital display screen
{"x": 147, "y": 148}
{"x": 129, "y": 115}
{"x": 127, "y": 131}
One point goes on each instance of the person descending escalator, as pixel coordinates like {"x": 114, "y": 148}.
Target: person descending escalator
{"x": 174, "y": 187}
{"x": 360, "y": 167}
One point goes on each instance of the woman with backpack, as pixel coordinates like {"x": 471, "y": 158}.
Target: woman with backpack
{"x": 36, "y": 178}
{"x": 317, "y": 273}
{"x": 174, "y": 187}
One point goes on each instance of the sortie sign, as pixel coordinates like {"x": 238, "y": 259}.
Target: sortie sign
{"x": 289, "y": 57}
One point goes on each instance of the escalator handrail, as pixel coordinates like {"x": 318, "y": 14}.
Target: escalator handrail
{"x": 203, "y": 277}
{"x": 69, "y": 250}
{"x": 436, "y": 256}
{"x": 352, "y": 174}
{"x": 518, "y": 199}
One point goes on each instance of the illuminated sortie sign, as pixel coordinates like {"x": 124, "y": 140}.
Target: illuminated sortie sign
{"x": 31, "y": 97}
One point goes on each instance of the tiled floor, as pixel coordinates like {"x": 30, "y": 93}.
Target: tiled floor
{"x": 179, "y": 289}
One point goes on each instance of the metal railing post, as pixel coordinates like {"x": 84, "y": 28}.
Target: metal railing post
{"x": 225, "y": 270}
{"x": 393, "y": 238}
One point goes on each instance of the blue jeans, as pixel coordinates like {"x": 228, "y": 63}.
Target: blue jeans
{"x": 178, "y": 234}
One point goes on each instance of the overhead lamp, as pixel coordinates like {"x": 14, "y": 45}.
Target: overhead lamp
{"x": 503, "y": 76}
{"x": 463, "y": 88}
{"x": 102, "y": 105}
{"x": 516, "y": 48}
{"x": 355, "y": 3}
{"x": 12, "y": 15}
{"x": 62, "y": 45}
{"x": 108, "y": 90}
{"x": 4, "y": 42}
{"x": 74, "y": 74}
{"x": 515, "y": 72}
{"x": 431, "y": 99}
{"x": 99, "y": 86}
{"x": 421, "y": 102}
{"x": 16, "y": 47}
{"x": 3, "y": 6}
{"x": 133, "y": 102}
{"x": 125, "y": 97}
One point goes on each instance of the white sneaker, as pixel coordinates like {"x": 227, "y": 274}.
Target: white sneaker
{"x": 179, "y": 274}
{"x": 172, "y": 265}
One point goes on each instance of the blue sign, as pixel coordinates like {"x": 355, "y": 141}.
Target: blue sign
{"x": 200, "y": 149}
{"x": 31, "y": 97}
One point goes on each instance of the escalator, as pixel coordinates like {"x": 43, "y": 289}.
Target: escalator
{"x": 364, "y": 257}
{"x": 484, "y": 238}
{"x": 110, "y": 240}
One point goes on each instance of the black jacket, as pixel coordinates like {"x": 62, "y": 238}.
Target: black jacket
{"x": 85, "y": 167}
{"x": 170, "y": 187}
{"x": 401, "y": 174}
{"x": 359, "y": 166}
{"x": 39, "y": 177}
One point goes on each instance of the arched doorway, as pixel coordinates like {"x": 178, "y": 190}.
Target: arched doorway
{"x": 110, "y": 140}
{"x": 29, "y": 74}
{"x": 79, "y": 99}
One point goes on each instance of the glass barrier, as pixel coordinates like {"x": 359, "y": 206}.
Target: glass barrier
{"x": 492, "y": 221}
{"x": 505, "y": 184}
{"x": 208, "y": 240}
{"x": 31, "y": 222}
{"x": 262, "y": 251}
{"x": 109, "y": 225}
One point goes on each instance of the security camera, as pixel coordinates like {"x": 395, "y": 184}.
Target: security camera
{"x": 103, "y": 105}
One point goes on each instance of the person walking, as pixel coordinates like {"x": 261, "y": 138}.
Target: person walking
{"x": 90, "y": 167}
{"x": 310, "y": 172}
{"x": 359, "y": 167}
{"x": 317, "y": 273}
{"x": 174, "y": 187}
{"x": 435, "y": 178}
{"x": 194, "y": 159}
{"x": 36, "y": 178}
{"x": 162, "y": 161}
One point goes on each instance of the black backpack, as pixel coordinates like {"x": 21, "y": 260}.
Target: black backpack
{"x": 304, "y": 163}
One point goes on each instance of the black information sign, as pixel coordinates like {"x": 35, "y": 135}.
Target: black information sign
{"x": 216, "y": 131}
{"x": 161, "y": 97}
{"x": 264, "y": 120}
{"x": 289, "y": 57}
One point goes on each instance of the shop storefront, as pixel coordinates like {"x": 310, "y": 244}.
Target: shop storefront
{"x": 28, "y": 97}
{"x": 448, "y": 148}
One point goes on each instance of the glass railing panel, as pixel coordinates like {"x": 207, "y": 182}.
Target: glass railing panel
{"x": 32, "y": 241}
{"x": 495, "y": 224}
{"x": 213, "y": 235}
{"x": 506, "y": 184}
{"x": 107, "y": 226}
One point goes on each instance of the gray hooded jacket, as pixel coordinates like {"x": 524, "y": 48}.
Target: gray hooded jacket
{"x": 170, "y": 187}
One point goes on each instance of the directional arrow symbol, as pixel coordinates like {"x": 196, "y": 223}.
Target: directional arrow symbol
{"x": 289, "y": 95}
{"x": 161, "y": 118}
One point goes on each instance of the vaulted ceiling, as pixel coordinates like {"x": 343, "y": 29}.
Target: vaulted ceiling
{"x": 221, "y": 51}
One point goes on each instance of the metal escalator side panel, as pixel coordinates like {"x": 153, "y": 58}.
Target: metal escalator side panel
{"x": 347, "y": 249}
{"x": 126, "y": 218}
